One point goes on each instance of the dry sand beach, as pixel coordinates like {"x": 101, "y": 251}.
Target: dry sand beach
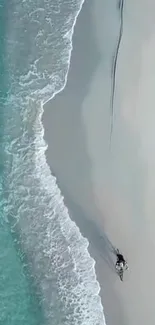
{"x": 109, "y": 190}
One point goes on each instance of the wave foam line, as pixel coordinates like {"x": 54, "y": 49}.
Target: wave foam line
{"x": 78, "y": 248}
{"x": 99, "y": 312}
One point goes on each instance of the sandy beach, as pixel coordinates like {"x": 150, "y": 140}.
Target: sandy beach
{"x": 109, "y": 189}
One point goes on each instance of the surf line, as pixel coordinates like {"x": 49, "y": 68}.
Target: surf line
{"x": 113, "y": 73}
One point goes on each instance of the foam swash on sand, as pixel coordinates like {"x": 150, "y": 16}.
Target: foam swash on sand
{"x": 38, "y": 44}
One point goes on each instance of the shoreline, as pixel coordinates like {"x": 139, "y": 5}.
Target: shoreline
{"x": 86, "y": 57}
{"x": 109, "y": 195}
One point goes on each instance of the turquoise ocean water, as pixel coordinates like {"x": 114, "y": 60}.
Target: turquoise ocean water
{"x": 46, "y": 273}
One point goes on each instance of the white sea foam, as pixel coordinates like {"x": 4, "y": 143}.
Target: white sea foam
{"x": 56, "y": 250}
{"x": 85, "y": 294}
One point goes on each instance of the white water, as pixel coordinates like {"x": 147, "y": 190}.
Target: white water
{"x": 57, "y": 252}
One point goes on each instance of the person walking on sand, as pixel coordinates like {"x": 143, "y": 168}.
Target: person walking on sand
{"x": 120, "y": 263}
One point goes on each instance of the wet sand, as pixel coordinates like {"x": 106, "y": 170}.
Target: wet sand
{"x": 109, "y": 190}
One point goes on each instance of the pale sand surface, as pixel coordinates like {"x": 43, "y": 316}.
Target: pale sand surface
{"x": 111, "y": 193}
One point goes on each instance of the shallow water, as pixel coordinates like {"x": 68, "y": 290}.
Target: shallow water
{"x": 18, "y": 300}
